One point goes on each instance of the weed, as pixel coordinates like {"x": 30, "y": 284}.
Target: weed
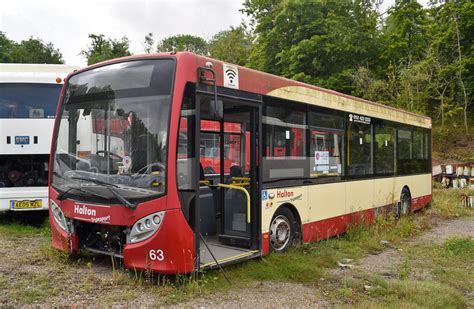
{"x": 404, "y": 269}
{"x": 345, "y": 292}
{"x": 460, "y": 247}
{"x": 51, "y": 254}
{"x": 379, "y": 282}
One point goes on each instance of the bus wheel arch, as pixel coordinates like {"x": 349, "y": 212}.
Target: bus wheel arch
{"x": 285, "y": 228}
{"x": 404, "y": 206}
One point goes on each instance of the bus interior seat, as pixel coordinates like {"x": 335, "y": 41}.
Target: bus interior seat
{"x": 145, "y": 144}
{"x": 235, "y": 171}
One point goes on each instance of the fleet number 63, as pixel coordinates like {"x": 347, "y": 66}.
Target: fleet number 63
{"x": 156, "y": 255}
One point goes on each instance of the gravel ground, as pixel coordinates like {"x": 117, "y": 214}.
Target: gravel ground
{"x": 462, "y": 227}
{"x": 387, "y": 263}
{"x": 265, "y": 295}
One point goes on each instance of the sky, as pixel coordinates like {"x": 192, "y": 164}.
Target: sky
{"x": 67, "y": 23}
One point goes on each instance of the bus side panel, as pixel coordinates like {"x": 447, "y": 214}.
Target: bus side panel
{"x": 326, "y": 201}
{"x": 327, "y": 228}
{"x": 359, "y": 195}
{"x": 386, "y": 192}
{"x": 169, "y": 251}
{"x": 330, "y": 211}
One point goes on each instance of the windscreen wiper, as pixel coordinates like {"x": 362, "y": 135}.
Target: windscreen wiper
{"x": 62, "y": 196}
{"x": 111, "y": 188}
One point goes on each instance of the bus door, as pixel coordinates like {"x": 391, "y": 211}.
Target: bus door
{"x": 228, "y": 212}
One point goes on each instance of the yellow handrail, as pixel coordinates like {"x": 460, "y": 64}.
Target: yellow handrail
{"x": 241, "y": 179}
{"x": 241, "y": 189}
{"x": 204, "y": 182}
{"x": 240, "y": 184}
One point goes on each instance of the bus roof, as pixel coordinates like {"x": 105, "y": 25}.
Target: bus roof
{"x": 280, "y": 87}
{"x": 271, "y": 85}
{"x": 33, "y": 73}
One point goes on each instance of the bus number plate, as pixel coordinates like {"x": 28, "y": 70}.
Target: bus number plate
{"x": 26, "y": 204}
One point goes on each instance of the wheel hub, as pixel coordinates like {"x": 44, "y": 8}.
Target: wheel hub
{"x": 280, "y": 233}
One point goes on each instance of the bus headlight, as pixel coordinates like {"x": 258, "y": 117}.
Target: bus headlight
{"x": 59, "y": 217}
{"x": 145, "y": 227}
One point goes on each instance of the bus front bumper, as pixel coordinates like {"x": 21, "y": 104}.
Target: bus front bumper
{"x": 170, "y": 250}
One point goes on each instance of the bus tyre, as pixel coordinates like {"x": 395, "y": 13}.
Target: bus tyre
{"x": 282, "y": 230}
{"x": 405, "y": 202}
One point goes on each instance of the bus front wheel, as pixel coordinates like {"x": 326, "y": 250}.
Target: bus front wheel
{"x": 282, "y": 230}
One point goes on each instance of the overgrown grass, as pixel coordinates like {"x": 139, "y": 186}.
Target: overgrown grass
{"x": 406, "y": 294}
{"x": 460, "y": 248}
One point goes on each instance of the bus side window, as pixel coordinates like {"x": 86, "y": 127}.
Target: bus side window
{"x": 285, "y": 132}
{"x": 185, "y": 161}
{"x": 327, "y": 135}
{"x": 360, "y": 154}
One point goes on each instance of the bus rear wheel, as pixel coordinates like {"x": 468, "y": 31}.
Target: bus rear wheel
{"x": 405, "y": 202}
{"x": 282, "y": 230}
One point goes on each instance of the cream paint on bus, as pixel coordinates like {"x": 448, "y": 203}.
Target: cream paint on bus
{"x": 324, "y": 201}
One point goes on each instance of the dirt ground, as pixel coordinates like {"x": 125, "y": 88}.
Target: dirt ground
{"x": 35, "y": 277}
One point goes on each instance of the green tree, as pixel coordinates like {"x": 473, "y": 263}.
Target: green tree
{"x": 183, "y": 42}
{"x": 405, "y": 33}
{"x": 451, "y": 39}
{"x": 6, "y": 47}
{"x": 103, "y": 48}
{"x": 28, "y": 51}
{"x": 316, "y": 41}
{"x": 232, "y": 45}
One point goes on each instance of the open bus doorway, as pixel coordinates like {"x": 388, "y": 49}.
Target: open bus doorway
{"x": 228, "y": 199}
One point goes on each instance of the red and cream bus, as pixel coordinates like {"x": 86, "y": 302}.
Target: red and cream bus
{"x": 127, "y": 178}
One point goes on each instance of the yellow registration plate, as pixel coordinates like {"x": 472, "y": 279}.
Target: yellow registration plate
{"x": 26, "y": 204}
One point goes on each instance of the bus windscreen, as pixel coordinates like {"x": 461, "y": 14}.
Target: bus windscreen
{"x": 115, "y": 131}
